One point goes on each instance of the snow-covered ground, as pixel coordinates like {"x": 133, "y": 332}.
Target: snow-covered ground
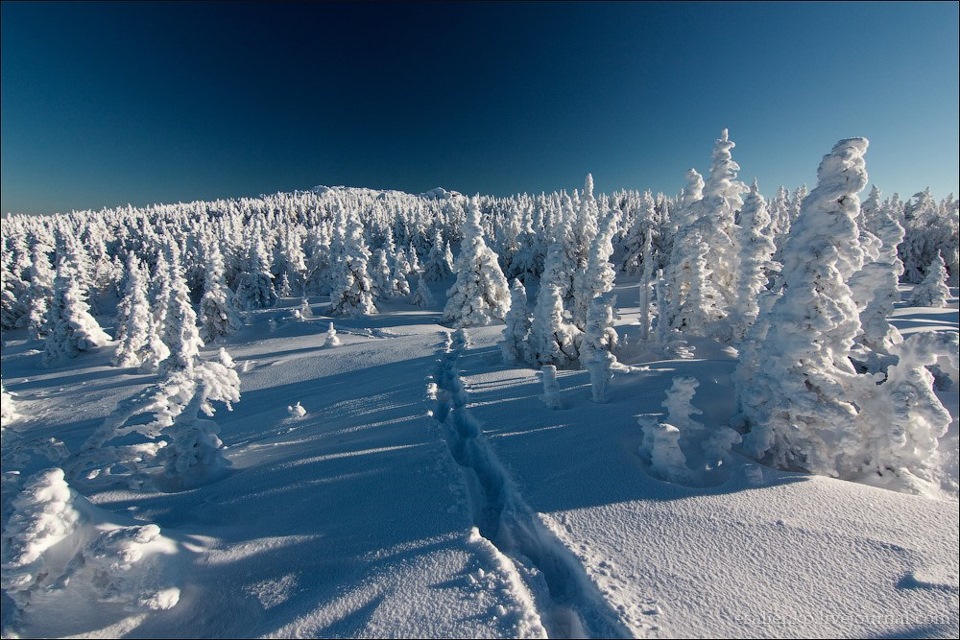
{"x": 429, "y": 491}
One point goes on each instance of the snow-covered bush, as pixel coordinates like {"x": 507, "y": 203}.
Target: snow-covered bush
{"x": 57, "y": 545}
{"x": 421, "y": 295}
{"x": 8, "y": 407}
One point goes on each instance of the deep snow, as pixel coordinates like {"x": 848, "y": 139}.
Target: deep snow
{"x": 427, "y": 491}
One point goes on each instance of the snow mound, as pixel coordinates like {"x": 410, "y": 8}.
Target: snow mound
{"x": 61, "y": 548}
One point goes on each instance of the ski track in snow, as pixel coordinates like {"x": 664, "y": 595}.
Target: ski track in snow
{"x": 569, "y": 603}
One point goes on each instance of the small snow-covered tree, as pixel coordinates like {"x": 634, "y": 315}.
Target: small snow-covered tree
{"x": 903, "y": 419}
{"x": 552, "y": 340}
{"x": 438, "y": 264}
{"x": 71, "y": 328}
{"x": 880, "y": 277}
{"x": 41, "y": 290}
{"x": 517, "y": 329}
{"x": 331, "y": 340}
{"x": 933, "y": 291}
{"x": 599, "y": 274}
{"x": 421, "y": 296}
{"x": 480, "y": 295}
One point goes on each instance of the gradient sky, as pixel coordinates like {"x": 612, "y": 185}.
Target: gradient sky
{"x": 105, "y": 104}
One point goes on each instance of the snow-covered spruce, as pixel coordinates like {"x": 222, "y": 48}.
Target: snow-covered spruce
{"x": 421, "y": 295}
{"x": 880, "y": 278}
{"x": 218, "y": 317}
{"x": 756, "y": 251}
{"x": 133, "y": 317}
{"x": 71, "y": 328}
{"x": 480, "y": 295}
{"x": 351, "y": 289}
{"x": 933, "y": 291}
{"x": 180, "y": 332}
{"x": 255, "y": 286}
{"x": 514, "y": 346}
{"x": 800, "y": 405}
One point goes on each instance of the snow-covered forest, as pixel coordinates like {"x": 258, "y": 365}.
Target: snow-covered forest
{"x": 351, "y": 412}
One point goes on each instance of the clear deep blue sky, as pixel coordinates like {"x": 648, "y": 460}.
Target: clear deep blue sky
{"x": 105, "y": 104}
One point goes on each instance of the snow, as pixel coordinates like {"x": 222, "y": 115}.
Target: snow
{"x": 410, "y": 483}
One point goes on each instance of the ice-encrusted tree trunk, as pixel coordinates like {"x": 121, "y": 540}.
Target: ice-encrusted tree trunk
{"x": 933, "y": 291}
{"x": 71, "y": 328}
{"x": 756, "y": 251}
{"x": 517, "y": 330}
{"x": 480, "y": 295}
{"x": 799, "y": 405}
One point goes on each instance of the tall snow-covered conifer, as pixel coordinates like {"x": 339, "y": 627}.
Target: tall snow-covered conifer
{"x": 480, "y": 296}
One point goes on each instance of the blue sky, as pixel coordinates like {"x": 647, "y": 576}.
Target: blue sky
{"x": 105, "y": 104}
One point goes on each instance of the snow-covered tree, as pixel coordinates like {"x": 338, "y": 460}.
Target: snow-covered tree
{"x": 438, "y": 264}
{"x": 352, "y": 290}
{"x": 597, "y": 278}
{"x": 421, "y": 296}
{"x": 41, "y": 290}
{"x": 218, "y": 317}
{"x": 799, "y": 405}
{"x": 480, "y": 295}
{"x": 933, "y": 291}
{"x": 71, "y": 328}
{"x": 133, "y": 317}
{"x": 517, "y": 329}
{"x": 331, "y": 339}
{"x": 255, "y": 282}
{"x": 599, "y": 340}
{"x": 903, "y": 419}
{"x": 880, "y": 277}
{"x": 756, "y": 250}
{"x": 180, "y": 332}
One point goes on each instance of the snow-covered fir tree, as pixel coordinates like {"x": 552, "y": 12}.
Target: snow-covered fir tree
{"x": 517, "y": 330}
{"x": 756, "y": 251}
{"x": 255, "y": 282}
{"x": 218, "y": 317}
{"x": 133, "y": 317}
{"x": 799, "y": 405}
{"x": 933, "y": 290}
{"x": 180, "y": 332}
{"x": 880, "y": 277}
{"x": 351, "y": 290}
{"x": 70, "y": 327}
{"x": 480, "y": 295}
{"x": 421, "y": 295}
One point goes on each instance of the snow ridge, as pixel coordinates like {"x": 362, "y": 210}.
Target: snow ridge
{"x": 570, "y": 605}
